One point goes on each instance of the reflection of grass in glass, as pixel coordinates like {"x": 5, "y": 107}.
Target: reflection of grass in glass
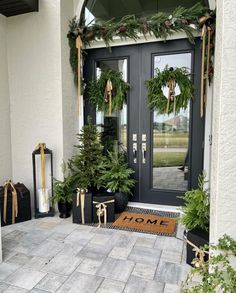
{"x": 168, "y": 159}
{"x": 123, "y": 135}
{"x": 171, "y": 139}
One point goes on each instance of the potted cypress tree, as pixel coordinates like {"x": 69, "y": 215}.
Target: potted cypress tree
{"x": 63, "y": 191}
{"x": 87, "y": 166}
{"x": 117, "y": 178}
{"x": 195, "y": 217}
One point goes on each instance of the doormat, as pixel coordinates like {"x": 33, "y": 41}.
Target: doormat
{"x": 146, "y": 223}
{"x": 146, "y": 212}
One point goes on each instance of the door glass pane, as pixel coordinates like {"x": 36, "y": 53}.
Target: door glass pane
{"x": 114, "y": 127}
{"x": 171, "y": 136}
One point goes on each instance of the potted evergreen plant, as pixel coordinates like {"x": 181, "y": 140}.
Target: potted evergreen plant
{"x": 195, "y": 217}
{"x": 86, "y": 167}
{"x": 63, "y": 193}
{"x": 117, "y": 178}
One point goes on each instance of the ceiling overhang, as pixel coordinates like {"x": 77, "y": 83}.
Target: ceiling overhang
{"x": 16, "y": 7}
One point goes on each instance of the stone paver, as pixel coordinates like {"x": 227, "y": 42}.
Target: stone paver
{"x": 54, "y": 255}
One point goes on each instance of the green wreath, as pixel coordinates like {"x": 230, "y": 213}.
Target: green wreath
{"x": 97, "y": 88}
{"x": 158, "y": 101}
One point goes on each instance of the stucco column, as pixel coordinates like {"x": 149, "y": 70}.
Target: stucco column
{"x": 223, "y": 158}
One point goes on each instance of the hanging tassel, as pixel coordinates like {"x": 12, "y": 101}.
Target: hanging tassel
{"x": 108, "y": 95}
{"x": 204, "y": 30}
{"x": 79, "y": 46}
{"x": 171, "y": 95}
{"x": 208, "y": 62}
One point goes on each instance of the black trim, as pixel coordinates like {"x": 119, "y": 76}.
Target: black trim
{"x": 16, "y": 7}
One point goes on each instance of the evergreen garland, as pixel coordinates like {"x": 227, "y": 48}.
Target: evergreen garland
{"x": 161, "y": 25}
{"x": 96, "y": 89}
{"x": 158, "y": 101}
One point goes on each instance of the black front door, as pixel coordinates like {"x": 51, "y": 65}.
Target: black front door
{"x": 165, "y": 151}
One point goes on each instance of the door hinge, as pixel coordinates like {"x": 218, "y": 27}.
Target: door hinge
{"x": 210, "y": 139}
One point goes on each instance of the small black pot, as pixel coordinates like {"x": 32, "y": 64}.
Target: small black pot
{"x": 121, "y": 201}
{"x": 64, "y": 209}
{"x": 199, "y": 238}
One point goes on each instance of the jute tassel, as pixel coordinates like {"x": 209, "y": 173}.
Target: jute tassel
{"x": 204, "y": 29}
{"x": 14, "y": 202}
{"x": 108, "y": 95}
{"x": 79, "y": 46}
{"x": 80, "y": 200}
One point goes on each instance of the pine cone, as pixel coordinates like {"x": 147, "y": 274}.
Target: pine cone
{"x": 145, "y": 28}
{"x": 89, "y": 35}
{"x": 167, "y": 23}
{"x": 122, "y": 28}
{"x": 184, "y": 21}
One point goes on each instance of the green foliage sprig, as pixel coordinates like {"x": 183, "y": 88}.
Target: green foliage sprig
{"x": 160, "y": 24}
{"x": 158, "y": 101}
{"x": 217, "y": 274}
{"x": 87, "y": 166}
{"x": 117, "y": 176}
{"x": 97, "y": 87}
{"x": 196, "y": 211}
{"x": 63, "y": 190}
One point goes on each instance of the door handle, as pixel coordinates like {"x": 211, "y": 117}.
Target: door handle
{"x": 135, "y": 150}
{"x": 144, "y": 152}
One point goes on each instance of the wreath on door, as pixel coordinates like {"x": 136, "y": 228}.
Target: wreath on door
{"x": 109, "y": 92}
{"x": 170, "y": 77}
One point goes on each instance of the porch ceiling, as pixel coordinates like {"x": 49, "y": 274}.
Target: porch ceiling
{"x": 16, "y": 7}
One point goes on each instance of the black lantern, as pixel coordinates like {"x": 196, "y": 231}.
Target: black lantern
{"x": 42, "y": 203}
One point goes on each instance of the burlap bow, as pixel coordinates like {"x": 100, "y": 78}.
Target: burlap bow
{"x": 102, "y": 211}
{"x": 6, "y": 185}
{"x": 80, "y": 200}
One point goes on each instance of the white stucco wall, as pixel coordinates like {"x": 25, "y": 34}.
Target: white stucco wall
{"x": 69, "y": 90}
{"x": 36, "y": 87}
{"x": 5, "y": 130}
{"x": 223, "y": 167}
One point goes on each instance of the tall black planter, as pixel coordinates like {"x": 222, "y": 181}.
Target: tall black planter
{"x": 121, "y": 202}
{"x": 64, "y": 209}
{"x": 198, "y": 238}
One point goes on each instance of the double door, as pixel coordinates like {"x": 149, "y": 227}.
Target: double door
{"x": 166, "y": 151}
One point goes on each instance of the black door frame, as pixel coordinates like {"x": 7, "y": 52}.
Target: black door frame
{"x": 133, "y": 53}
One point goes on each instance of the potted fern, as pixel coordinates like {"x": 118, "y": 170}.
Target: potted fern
{"x": 195, "y": 217}
{"x": 117, "y": 178}
{"x": 63, "y": 191}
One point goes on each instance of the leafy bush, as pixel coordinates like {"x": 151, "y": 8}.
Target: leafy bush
{"x": 196, "y": 211}
{"x": 117, "y": 176}
{"x": 217, "y": 274}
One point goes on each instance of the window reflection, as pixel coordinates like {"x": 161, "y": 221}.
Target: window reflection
{"x": 171, "y": 136}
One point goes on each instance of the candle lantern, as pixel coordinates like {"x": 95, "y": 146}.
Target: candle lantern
{"x": 43, "y": 192}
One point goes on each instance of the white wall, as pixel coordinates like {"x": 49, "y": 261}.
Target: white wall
{"x": 69, "y": 90}
{"x": 223, "y": 167}
{"x": 5, "y": 130}
{"x": 39, "y": 87}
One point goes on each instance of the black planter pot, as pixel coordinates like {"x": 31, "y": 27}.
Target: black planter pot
{"x": 64, "y": 209}
{"x": 199, "y": 238}
{"x": 121, "y": 201}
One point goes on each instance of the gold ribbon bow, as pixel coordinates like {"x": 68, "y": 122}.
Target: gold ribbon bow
{"x": 198, "y": 261}
{"x": 206, "y": 37}
{"x": 6, "y": 185}
{"x": 171, "y": 94}
{"x": 102, "y": 211}
{"x": 42, "y": 147}
{"x": 108, "y": 95}
{"x": 79, "y": 45}
{"x": 80, "y": 200}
